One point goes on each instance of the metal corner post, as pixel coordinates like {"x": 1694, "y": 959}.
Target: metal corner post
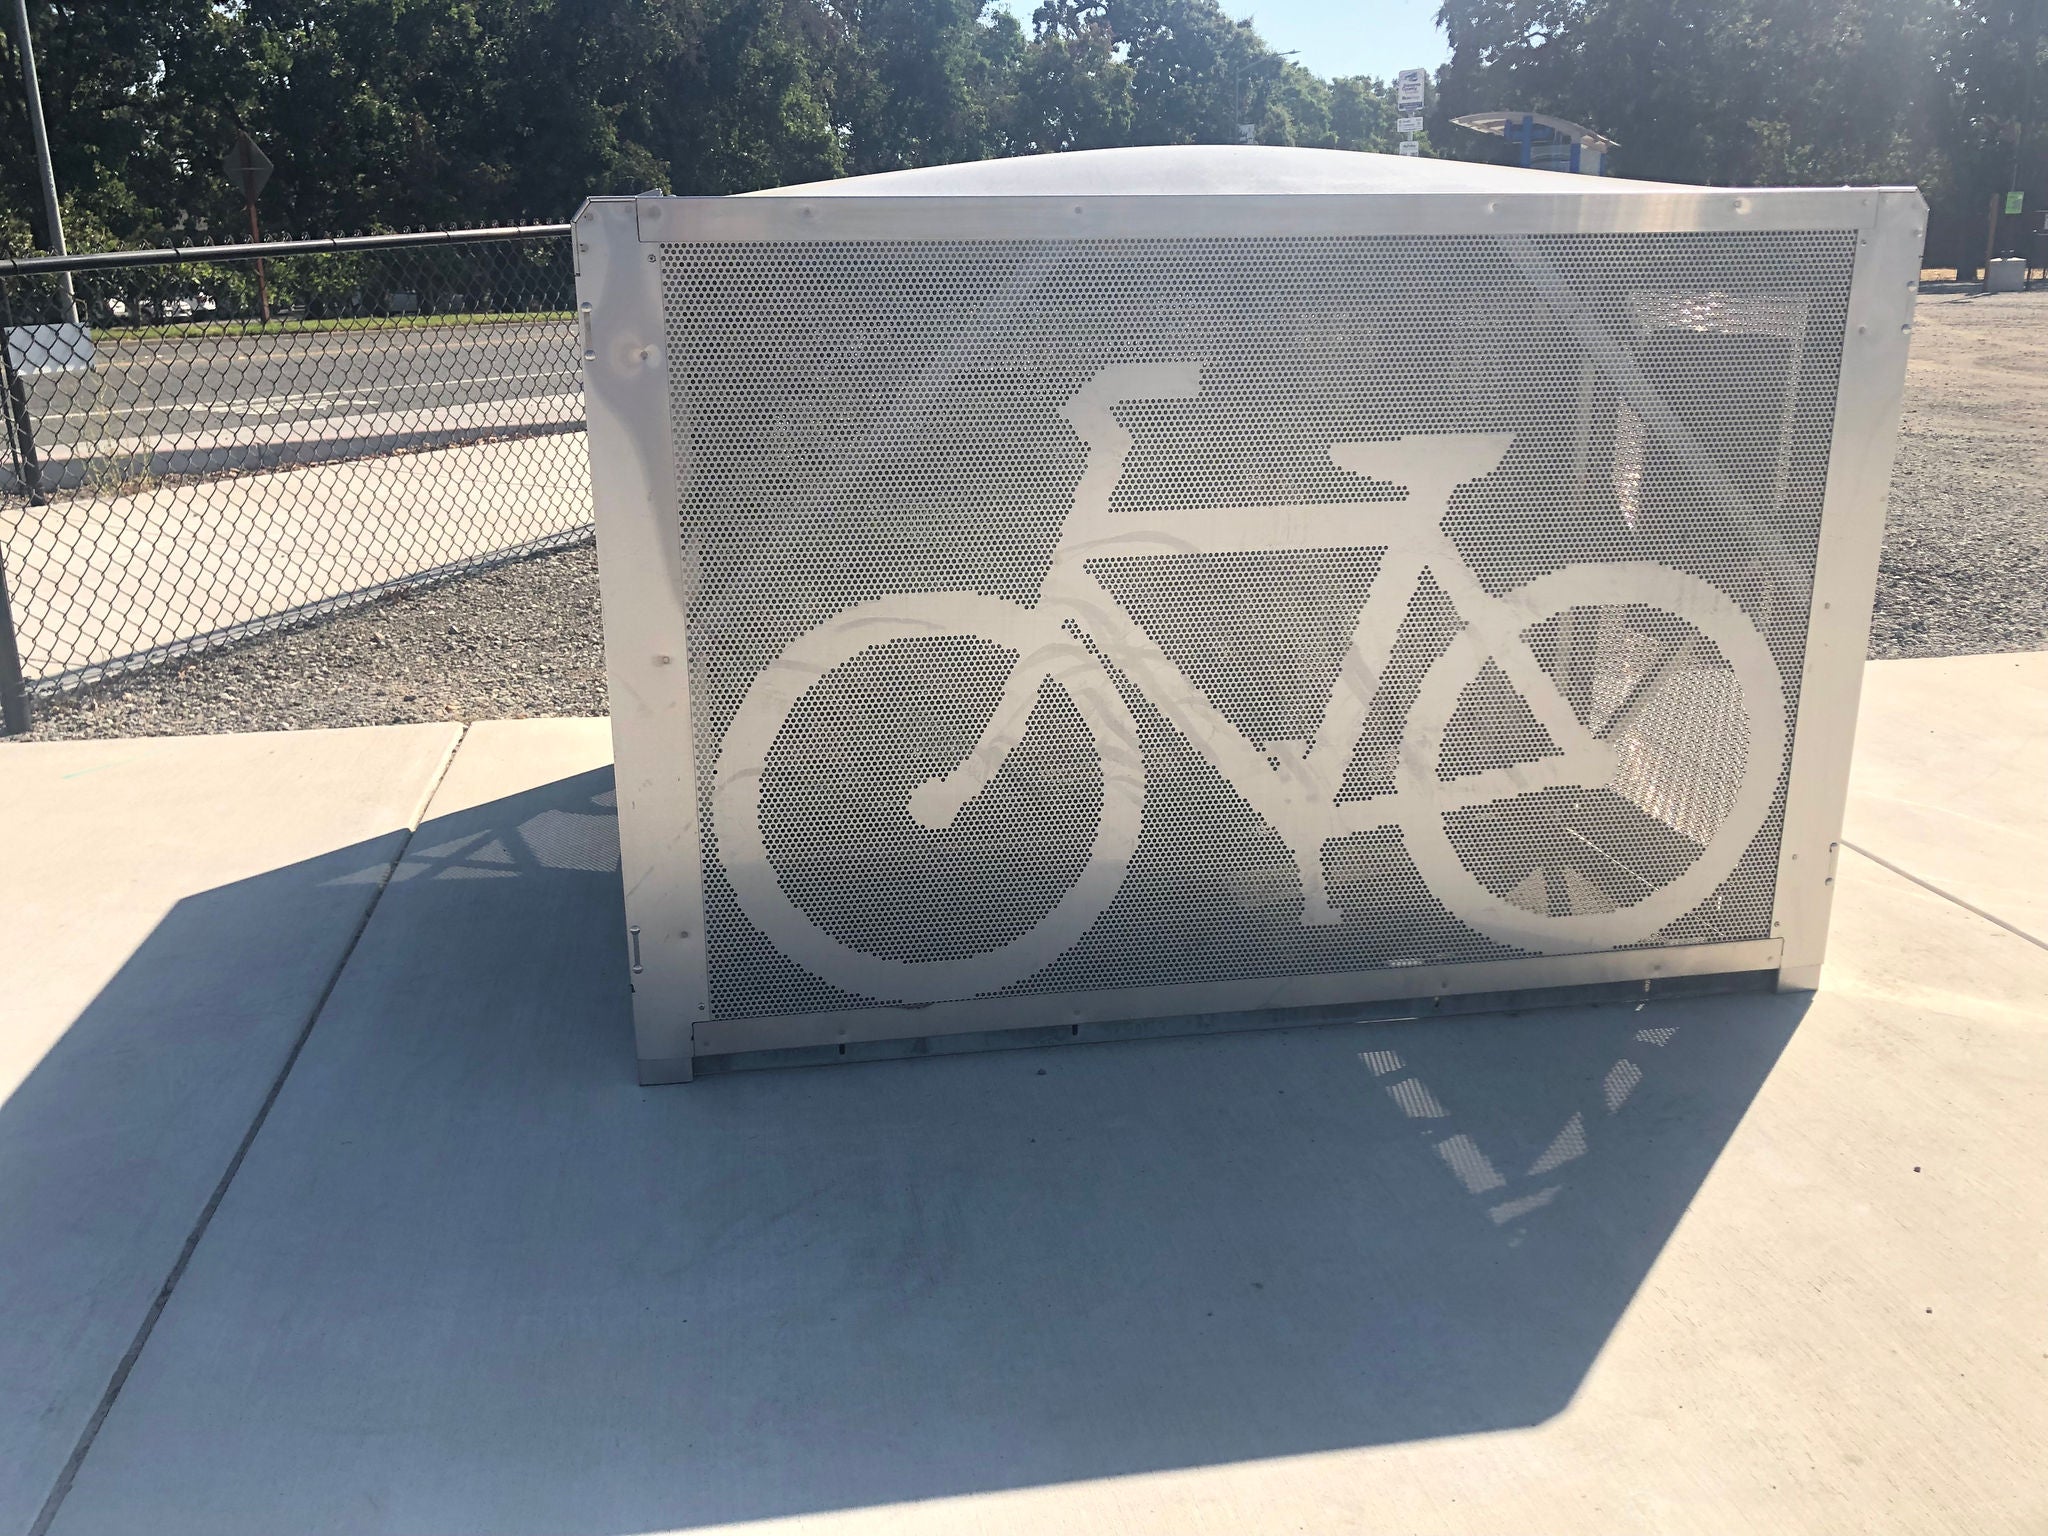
{"x": 646, "y": 577}
{"x": 1874, "y": 347}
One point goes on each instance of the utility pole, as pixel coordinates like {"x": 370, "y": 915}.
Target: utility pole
{"x": 42, "y": 138}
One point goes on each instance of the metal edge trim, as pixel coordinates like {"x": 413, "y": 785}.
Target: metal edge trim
{"x": 1876, "y": 331}
{"x": 1040, "y": 1037}
{"x": 714, "y": 220}
{"x": 1340, "y": 989}
{"x": 643, "y": 570}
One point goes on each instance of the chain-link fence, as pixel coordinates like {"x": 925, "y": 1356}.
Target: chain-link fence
{"x": 204, "y": 444}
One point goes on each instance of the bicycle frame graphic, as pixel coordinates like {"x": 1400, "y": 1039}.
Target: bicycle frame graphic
{"x": 1076, "y": 629}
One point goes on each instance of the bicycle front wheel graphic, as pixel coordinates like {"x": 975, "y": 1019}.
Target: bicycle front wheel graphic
{"x": 822, "y": 797}
{"x": 1671, "y": 676}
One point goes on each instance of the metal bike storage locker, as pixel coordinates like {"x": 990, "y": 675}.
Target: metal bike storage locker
{"x": 1150, "y": 590}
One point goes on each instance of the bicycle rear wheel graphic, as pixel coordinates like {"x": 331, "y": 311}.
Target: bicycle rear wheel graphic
{"x": 816, "y": 798}
{"x": 1670, "y": 673}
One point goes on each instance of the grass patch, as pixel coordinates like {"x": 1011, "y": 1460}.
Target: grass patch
{"x": 215, "y": 330}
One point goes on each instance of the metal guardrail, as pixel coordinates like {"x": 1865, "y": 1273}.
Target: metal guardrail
{"x": 220, "y": 440}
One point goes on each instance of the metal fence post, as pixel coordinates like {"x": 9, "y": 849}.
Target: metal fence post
{"x": 21, "y": 440}
{"x": 13, "y": 691}
{"x": 22, "y": 449}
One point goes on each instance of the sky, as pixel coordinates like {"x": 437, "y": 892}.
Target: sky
{"x": 1350, "y": 37}
{"x": 1337, "y": 37}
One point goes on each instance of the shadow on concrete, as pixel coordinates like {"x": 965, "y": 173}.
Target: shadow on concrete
{"x": 115, "y": 1141}
{"x": 72, "y": 467}
{"x": 472, "y": 1278}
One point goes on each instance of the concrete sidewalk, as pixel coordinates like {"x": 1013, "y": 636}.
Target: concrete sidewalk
{"x": 99, "y": 579}
{"x": 1746, "y": 1263}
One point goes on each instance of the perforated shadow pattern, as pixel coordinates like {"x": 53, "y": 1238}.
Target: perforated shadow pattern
{"x": 863, "y": 425}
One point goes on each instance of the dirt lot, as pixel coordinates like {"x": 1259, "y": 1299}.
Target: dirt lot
{"x": 1965, "y": 570}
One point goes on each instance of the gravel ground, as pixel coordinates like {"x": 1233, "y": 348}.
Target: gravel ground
{"x": 1966, "y": 545}
{"x": 1965, "y": 571}
{"x": 519, "y": 640}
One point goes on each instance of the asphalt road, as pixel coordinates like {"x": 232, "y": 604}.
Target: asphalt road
{"x": 151, "y": 388}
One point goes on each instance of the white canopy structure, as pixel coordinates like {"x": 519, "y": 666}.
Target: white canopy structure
{"x": 1547, "y": 143}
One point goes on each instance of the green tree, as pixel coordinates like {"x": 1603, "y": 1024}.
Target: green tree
{"x": 1073, "y": 85}
{"x": 1995, "y": 125}
{"x": 1730, "y": 91}
{"x": 1362, "y": 114}
{"x": 914, "y": 99}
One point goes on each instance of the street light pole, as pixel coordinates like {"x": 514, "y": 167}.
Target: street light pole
{"x": 42, "y": 138}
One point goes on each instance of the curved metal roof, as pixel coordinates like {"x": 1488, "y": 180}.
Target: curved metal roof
{"x": 1204, "y": 169}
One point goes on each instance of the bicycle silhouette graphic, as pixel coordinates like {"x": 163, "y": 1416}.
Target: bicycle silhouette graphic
{"x": 1615, "y": 740}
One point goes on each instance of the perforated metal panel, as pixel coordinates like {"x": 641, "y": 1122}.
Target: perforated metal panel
{"x": 1136, "y": 620}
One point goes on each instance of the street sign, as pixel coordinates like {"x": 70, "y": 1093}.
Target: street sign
{"x": 247, "y": 166}
{"x": 1409, "y": 87}
{"x": 2015, "y": 202}
{"x": 60, "y": 348}
{"x": 1408, "y": 124}
{"x": 1409, "y": 147}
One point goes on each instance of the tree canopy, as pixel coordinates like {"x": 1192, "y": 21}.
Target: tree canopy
{"x": 383, "y": 114}
{"x": 1951, "y": 95}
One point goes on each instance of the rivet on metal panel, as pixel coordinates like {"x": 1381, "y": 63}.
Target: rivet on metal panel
{"x": 652, "y": 257}
{"x": 662, "y": 661}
